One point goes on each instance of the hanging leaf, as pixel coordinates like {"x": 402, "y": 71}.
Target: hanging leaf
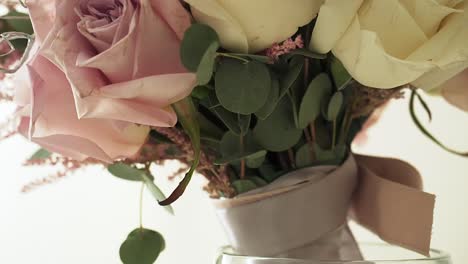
{"x": 335, "y": 106}
{"x": 242, "y": 88}
{"x": 426, "y": 132}
{"x": 207, "y": 63}
{"x": 41, "y": 154}
{"x": 271, "y": 102}
{"x": 125, "y": 172}
{"x": 142, "y": 246}
{"x": 155, "y": 191}
{"x": 278, "y": 132}
{"x": 317, "y": 92}
{"x": 187, "y": 116}
{"x": 340, "y": 75}
{"x": 197, "y": 40}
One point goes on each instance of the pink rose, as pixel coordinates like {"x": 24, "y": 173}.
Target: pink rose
{"x": 103, "y": 66}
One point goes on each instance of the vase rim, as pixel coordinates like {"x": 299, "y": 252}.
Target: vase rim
{"x": 437, "y": 256}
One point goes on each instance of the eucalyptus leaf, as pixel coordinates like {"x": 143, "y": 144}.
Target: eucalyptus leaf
{"x": 155, "y": 191}
{"x": 201, "y": 92}
{"x": 242, "y": 87}
{"x": 335, "y": 106}
{"x": 244, "y": 123}
{"x": 259, "y": 58}
{"x": 287, "y": 81}
{"x": 243, "y": 186}
{"x": 314, "y": 98}
{"x": 232, "y": 150}
{"x": 268, "y": 171}
{"x": 41, "y": 154}
{"x": 256, "y": 160}
{"x": 340, "y": 75}
{"x": 188, "y": 118}
{"x": 278, "y": 132}
{"x": 207, "y": 63}
{"x": 125, "y": 172}
{"x": 229, "y": 119}
{"x": 259, "y": 182}
{"x": 335, "y": 155}
{"x": 142, "y": 246}
{"x": 197, "y": 39}
{"x": 271, "y": 102}
{"x": 304, "y": 156}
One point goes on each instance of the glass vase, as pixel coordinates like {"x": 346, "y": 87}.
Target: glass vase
{"x": 372, "y": 253}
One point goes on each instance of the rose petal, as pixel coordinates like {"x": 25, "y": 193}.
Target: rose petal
{"x": 455, "y": 91}
{"x": 174, "y": 14}
{"x": 334, "y": 18}
{"x": 231, "y": 33}
{"x": 42, "y": 13}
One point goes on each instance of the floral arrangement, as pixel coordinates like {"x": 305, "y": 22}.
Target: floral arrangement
{"x": 241, "y": 92}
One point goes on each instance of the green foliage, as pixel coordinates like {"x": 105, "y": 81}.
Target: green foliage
{"x": 40, "y": 154}
{"x": 198, "y": 40}
{"x": 243, "y": 186}
{"x": 340, "y": 75}
{"x": 314, "y": 98}
{"x": 155, "y": 191}
{"x": 233, "y": 150}
{"x": 307, "y": 53}
{"x": 207, "y": 64}
{"x": 235, "y": 122}
{"x": 278, "y": 132}
{"x": 287, "y": 81}
{"x": 335, "y": 106}
{"x": 142, "y": 246}
{"x": 125, "y": 172}
{"x": 272, "y": 101}
{"x": 242, "y": 88}
{"x": 187, "y": 116}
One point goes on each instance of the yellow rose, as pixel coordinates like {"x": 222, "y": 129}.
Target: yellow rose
{"x": 387, "y": 43}
{"x": 249, "y": 26}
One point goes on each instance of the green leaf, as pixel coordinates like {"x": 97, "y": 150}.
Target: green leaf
{"x": 335, "y": 106}
{"x": 243, "y": 186}
{"x": 142, "y": 246}
{"x": 268, "y": 172}
{"x": 304, "y": 156}
{"x": 242, "y": 88}
{"x": 278, "y": 132}
{"x": 231, "y": 120}
{"x": 155, "y": 191}
{"x": 313, "y": 100}
{"x": 18, "y": 25}
{"x": 244, "y": 123}
{"x": 307, "y": 53}
{"x": 207, "y": 63}
{"x": 232, "y": 150}
{"x": 40, "y": 154}
{"x": 340, "y": 75}
{"x": 335, "y": 155}
{"x": 256, "y": 160}
{"x": 426, "y": 132}
{"x": 272, "y": 101}
{"x": 259, "y": 182}
{"x": 425, "y": 106}
{"x": 201, "y": 92}
{"x": 197, "y": 40}
{"x": 187, "y": 116}
{"x": 125, "y": 172}
{"x": 287, "y": 81}
{"x": 259, "y": 58}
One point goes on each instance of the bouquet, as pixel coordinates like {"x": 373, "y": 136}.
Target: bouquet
{"x": 263, "y": 98}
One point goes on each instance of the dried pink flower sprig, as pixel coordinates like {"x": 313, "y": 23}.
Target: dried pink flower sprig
{"x": 284, "y": 48}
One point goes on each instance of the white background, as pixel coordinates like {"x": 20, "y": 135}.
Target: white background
{"x": 84, "y": 217}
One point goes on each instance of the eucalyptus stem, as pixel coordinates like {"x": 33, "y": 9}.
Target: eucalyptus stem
{"x": 291, "y": 158}
{"x": 233, "y": 57}
{"x": 334, "y": 135}
{"x": 242, "y": 169}
{"x": 141, "y": 204}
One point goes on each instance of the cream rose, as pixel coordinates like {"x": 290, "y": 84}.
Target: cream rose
{"x": 385, "y": 44}
{"x": 249, "y": 26}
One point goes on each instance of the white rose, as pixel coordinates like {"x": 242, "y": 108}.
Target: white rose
{"x": 249, "y": 26}
{"x": 387, "y": 43}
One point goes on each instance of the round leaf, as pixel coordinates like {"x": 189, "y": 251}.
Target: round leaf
{"x": 142, "y": 246}
{"x": 278, "y": 132}
{"x": 313, "y": 99}
{"x": 242, "y": 87}
{"x": 271, "y": 102}
{"x": 335, "y": 105}
{"x": 125, "y": 172}
{"x": 197, "y": 39}
{"x": 339, "y": 73}
{"x": 287, "y": 81}
{"x": 207, "y": 63}
{"x": 304, "y": 156}
{"x": 243, "y": 186}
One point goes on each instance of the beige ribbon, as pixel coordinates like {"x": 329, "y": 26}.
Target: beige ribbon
{"x": 309, "y": 205}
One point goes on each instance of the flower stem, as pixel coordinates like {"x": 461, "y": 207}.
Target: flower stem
{"x": 233, "y": 57}
{"x": 141, "y": 204}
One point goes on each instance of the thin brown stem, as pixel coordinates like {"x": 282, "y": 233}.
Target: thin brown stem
{"x": 291, "y": 158}
{"x": 242, "y": 172}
